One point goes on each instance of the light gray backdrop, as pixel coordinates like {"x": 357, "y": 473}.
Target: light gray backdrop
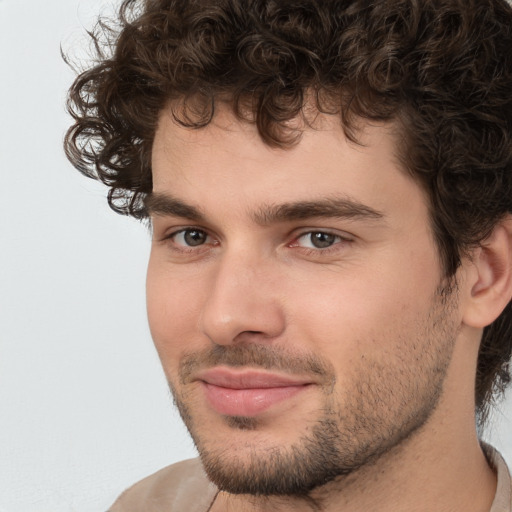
{"x": 84, "y": 408}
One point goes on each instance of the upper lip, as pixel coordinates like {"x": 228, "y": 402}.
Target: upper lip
{"x": 248, "y": 379}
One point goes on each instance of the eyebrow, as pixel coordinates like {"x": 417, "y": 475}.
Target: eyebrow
{"x": 160, "y": 204}
{"x": 165, "y": 205}
{"x": 336, "y": 207}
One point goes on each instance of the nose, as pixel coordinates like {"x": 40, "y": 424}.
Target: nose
{"x": 243, "y": 304}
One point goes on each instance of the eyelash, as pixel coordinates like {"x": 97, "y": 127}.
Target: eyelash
{"x": 185, "y": 248}
{"x": 316, "y": 250}
{"x": 340, "y": 240}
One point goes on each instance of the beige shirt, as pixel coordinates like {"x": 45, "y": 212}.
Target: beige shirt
{"x": 185, "y": 487}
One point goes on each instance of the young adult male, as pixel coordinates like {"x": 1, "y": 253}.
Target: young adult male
{"x": 329, "y": 190}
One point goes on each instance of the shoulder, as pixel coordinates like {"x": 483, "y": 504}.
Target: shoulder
{"x": 503, "y": 498}
{"x": 181, "y": 486}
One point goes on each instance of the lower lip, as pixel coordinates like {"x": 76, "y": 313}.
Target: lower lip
{"x": 247, "y": 402}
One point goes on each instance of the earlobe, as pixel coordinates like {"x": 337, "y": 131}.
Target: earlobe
{"x": 490, "y": 279}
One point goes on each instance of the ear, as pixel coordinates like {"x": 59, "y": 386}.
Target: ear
{"x": 490, "y": 277}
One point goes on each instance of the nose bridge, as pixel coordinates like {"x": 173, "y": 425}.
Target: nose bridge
{"x": 242, "y": 299}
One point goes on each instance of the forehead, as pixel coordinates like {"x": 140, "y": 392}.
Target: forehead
{"x": 231, "y": 151}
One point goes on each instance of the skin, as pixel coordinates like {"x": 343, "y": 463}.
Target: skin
{"x": 395, "y": 357}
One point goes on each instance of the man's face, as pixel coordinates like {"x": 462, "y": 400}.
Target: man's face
{"x": 295, "y": 300}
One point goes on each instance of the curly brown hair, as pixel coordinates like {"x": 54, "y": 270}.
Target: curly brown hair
{"x": 442, "y": 69}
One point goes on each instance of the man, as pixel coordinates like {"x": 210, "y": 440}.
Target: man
{"x": 329, "y": 189}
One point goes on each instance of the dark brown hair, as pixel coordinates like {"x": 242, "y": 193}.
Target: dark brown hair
{"x": 441, "y": 68}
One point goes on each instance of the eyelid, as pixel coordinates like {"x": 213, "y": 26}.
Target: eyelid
{"x": 169, "y": 232}
{"x": 169, "y": 235}
{"x": 328, "y": 231}
{"x": 342, "y": 240}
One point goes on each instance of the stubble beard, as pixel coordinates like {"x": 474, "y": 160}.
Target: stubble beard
{"x": 387, "y": 405}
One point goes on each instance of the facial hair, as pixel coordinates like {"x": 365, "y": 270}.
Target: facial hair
{"x": 387, "y": 403}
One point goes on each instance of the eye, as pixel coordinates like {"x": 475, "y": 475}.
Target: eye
{"x": 190, "y": 237}
{"x": 318, "y": 240}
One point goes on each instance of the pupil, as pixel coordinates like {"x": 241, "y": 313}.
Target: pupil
{"x": 322, "y": 240}
{"x": 194, "y": 237}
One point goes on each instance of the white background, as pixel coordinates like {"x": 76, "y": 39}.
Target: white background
{"x": 84, "y": 408}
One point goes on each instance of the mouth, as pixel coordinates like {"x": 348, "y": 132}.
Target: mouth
{"x": 247, "y": 392}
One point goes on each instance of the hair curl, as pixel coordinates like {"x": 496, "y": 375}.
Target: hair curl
{"x": 441, "y": 68}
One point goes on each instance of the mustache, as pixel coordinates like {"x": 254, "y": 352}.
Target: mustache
{"x": 255, "y": 356}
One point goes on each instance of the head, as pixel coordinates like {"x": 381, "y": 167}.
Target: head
{"x": 420, "y": 88}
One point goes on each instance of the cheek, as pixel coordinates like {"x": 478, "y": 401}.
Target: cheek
{"x": 172, "y": 307}
{"x": 363, "y": 310}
